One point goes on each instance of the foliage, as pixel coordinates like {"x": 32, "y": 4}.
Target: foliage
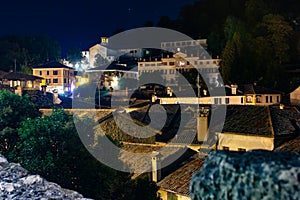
{"x": 99, "y": 60}
{"x": 14, "y": 110}
{"x": 51, "y": 147}
{"x": 27, "y": 51}
{"x": 74, "y": 55}
{"x": 256, "y": 39}
{"x": 257, "y": 47}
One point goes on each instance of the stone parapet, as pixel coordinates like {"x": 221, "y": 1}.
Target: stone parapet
{"x": 17, "y": 184}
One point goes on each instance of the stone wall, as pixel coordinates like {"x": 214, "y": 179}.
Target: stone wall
{"x": 251, "y": 175}
{"x": 16, "y": 183}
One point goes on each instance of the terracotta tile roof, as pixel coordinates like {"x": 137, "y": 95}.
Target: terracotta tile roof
{"x": 179, "y": 181}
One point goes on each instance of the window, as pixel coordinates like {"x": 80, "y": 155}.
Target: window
{"x": 48, "y": 81}
{"x": 258, "y": 99}
{"x": 55, "y": 80}
{"x": 171, "y": 196}
{"x": 225, "y": 148}
{"x": 171, "y": 63}
{"x": 241, "y": 149}
{"x": 227, "y": 100}
{"x": 41, "y": 73}
{"x": 65, "y": 80}
{"x": 216, "y": 100}
{"x": 267, "y": 99}
{"x": 242, "y": 100}
{"x": 249, "y": 99}
{"x": 55, "y": 73}
{"x": 271, "y": 99}
{"x": 277, "y": 99}
{"x": 48, "y": 73}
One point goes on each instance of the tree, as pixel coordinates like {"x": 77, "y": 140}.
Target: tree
{"x": 234, "y": 64}
{"x": 51, "y": 147}
{"x": 228, "y": 55}
{"x": 26, "y": 52}
{"x": 74, "y": 55}
{"x": 276, "y": 31}
{"x": 272, "y": 49}
{"x": 255, "y": 10}
{"x": 148, "y": 24}
{"x": 14, "y": 110}
{"x": 164, "y": 22}
{"x": 99, "y": 60}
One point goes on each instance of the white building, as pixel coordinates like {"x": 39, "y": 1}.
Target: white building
{"x": 109, "y": 55}
{"x": 167, "y": 67}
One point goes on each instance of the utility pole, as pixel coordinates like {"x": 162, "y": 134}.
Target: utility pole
{"x": 15, "y": 64}
{"x": 198, "y": 85}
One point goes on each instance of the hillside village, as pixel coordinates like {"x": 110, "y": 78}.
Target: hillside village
{"x": 215, "y": 117}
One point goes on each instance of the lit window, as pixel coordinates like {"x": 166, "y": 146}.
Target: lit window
{"x": 258, "y": 99}
{"x": 249, "y": 99}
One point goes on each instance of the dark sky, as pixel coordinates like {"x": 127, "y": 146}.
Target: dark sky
{"x": 75, "y": 23}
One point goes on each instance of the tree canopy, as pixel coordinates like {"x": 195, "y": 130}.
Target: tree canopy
{"x": 256, "y": 39}
{"x": 24, "y": 52}
{"x": 14, "y": 110}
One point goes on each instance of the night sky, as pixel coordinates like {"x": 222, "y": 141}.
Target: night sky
{"x": 75, "y": 23}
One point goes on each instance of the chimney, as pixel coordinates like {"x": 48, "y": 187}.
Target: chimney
{"x": 233, "y": 89}
{"x": 156, "y": 166}
{"x": 202, "y": 124}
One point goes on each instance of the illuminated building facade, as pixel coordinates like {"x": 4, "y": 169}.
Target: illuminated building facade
{"x": 57, "y": 76}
